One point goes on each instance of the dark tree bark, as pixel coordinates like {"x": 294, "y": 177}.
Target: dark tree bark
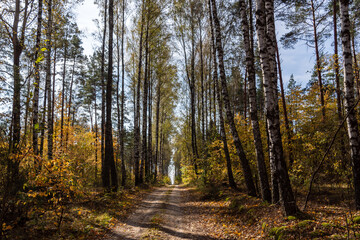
{"x": 63, "y": 94}
{"x": 158, "y": 95}
{"x": 352, "y": 122}
{"x": 118, "y": 92}
{"x": 122, "y": 130}
{"x": 150, "y": 121}
{"x": 110, "y": 168}
{"x": 144, "y": 161}
{"x": 35, "y": 107}
{"x": 50, "y": 119}
{"x": 102, "y": 72}
{"x": 356, "y": 66}
{"x": 220, "y": 104}
{"x": 96, "y": 137}
{"x": 193, "y": 93}
{"x": 229, "y": 114}
{"x": 202, "y": 83}
{"x": 53, "y": 93}
{"x": 250, "y": 66}
{"x": 137, "y": 112}
{"x": 287, "y": 124}
{"x": 266, "y": 38}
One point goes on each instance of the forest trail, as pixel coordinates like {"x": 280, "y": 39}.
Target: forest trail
{"x": 162, "y": 215}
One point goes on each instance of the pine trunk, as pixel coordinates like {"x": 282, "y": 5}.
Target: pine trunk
{"x": 158, "y": 94}
{"x": 283, "y": 99}
{"x": 137, "y": 113}
{"x": 318, "y": 62}
{"x": 144, "y": 163}
{"x": 102, "y": 72}
{"x": 220, "y": 104}
{"x": 122, "y": 131}
{"x": 109, "y": 149}
{"x": 48, "y": 82}
{"x": 35, "y": 107}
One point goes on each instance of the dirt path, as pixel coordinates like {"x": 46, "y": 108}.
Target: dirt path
{"x": 162, "y": 215}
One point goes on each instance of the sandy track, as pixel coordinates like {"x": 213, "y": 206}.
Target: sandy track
{"x": 162, "y": 215}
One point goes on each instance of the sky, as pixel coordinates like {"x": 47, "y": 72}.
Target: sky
{"x": 298, "y": 61}
{"x": 86, "y": 13}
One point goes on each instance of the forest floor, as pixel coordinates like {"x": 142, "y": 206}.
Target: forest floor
{"x": 181, "y": 212}
{"x": 178, "y": 212}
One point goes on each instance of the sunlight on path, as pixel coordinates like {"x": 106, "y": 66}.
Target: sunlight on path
{"x": 172, "y": 171}
{"x": 162, "y": 215}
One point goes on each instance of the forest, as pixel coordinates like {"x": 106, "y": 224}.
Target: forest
{"x": 179, "y": 123}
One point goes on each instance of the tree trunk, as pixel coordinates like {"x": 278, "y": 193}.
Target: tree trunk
{"x": 50, "y": 119}
{"x": 71, "y": 89}
{"x": 137, "y": 113}
{"x": 318, "y": 61}
{"x": 250, "y": 66}
{"x": 144, "y": 161}
{"x": 158, "y": 94}
{"x": 356, "y": 66}
{"x": 122, "y": 131}
{"x": 118, "y": 92}
{"x": 229, "y": 114}
{"x": 150, "y": 122}
{"x": 220, "y": 104}
{"x": 266, "y": 36}
{"x": 102, "y": 70}
{"x": 109, "y": 149}
{"x": 37, "y": 82}
{"x": 53, "y": 94}
{"x": 192, "y": 95}
{"x": 63, "y": 95}
{"x": 337, "y": 77}
{"x": 352, "y": 123}
{"x": 96, "y": 137}
{"x": 287, "y": 125}
{"x": 202, "y": 84}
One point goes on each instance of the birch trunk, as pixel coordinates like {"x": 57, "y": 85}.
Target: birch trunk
{"x": 352, "y": 123}
{"x": 229, "y": 114}
{"x": 266, "y": 36}
{"x": 264, "y": 182}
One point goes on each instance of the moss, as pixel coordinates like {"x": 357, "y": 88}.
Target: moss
{"x": 304, "y": 224}
{"x": 236, "y": 205}
{"x": 356, "y": 219}
{"x": 291, "y": 218}
{"x": 277, "y": 232}
{"x": 317, "y": 233}
{"x": 103, "y": 219}
{"x": 327, "y": 225}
